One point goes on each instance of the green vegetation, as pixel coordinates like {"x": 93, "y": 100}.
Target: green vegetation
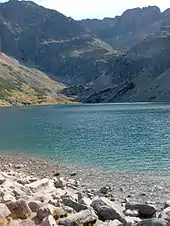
{"x": 20, "y": 85}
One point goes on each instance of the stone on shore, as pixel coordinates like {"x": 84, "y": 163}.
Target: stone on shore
{"x": 47, "y": 210}
{"x": 106, "y": 189}
{"x": 84, "y": 217}
{"x": 131, "y": 221}
{"x": 19, "y": 166}
{"x": 108, "y": 210}
{"x": 68, "y": 210}
{"x": 48, "y": 221}
{"x": 68, "y": 201}
{"x": 60, "y": 183}
{"x": 114, "y": 223}
{"x": 165, "y": 214}
{"x": 27, "y": 222}
{"x": 153, "y": 222}
{"x": 8, "y": 198}
{"x": 39, "y": 185}
{"x": 19, "y": 209}
{"x": 167, "y": 204}
{"x": 35, "y": 205}
{"x": 144, "y": 210}
{"x": 85, "y": 201}
{"x": 4, "y": 211}
{"x": 43, "y": 212}
{"x": 131, "y": 213}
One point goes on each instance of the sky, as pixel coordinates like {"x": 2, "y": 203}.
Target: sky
{"x": 79, "y": 9}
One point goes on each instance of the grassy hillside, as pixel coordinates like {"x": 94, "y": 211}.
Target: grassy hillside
{"x": 20, "y": 85}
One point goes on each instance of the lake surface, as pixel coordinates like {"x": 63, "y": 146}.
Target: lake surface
{"x": 124, "y": 137}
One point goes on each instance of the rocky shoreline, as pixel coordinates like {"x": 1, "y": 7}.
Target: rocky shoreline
{"x": 33, "y": 192}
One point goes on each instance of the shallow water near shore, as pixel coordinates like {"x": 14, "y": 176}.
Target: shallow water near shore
{"x": 113, "y": 137}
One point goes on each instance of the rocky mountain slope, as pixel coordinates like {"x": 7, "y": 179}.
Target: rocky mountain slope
{"x": 142, "y": 74}
{"x": 20, "y": 85}
{"x": 51, "y": 42}
{"x": 125, "y": 58}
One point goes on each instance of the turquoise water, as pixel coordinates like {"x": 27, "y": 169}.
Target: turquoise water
{"x": 126, "y": 137}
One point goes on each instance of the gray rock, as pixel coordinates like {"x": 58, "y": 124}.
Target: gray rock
{"x": 167, "y": 204}
{"x": 32, "y": 179}
{"x": 73, "y": 183}
{"x": 73, "y": 174}
{"x": 43, "y": 212}
{"x": 56, "y": 174}
{"x": 40, "y": 184}
{"x": 4, "y": 211}
{"x": 131, "y": 213}
{"x": 145, "y": 210}
{"x": 18, "y": 193}
{"x": 165, "y": 214}
{"x": 60, "y": 183}
{"x": 19, "y": 209}
{"x": 75, "y": 205}
{"x": 107, "y": 210}
{"x": 106, "y": 189}
{"x": 83, "y": 217}
{"x": 19, "y": 166}
{"x": 101, "y": 223}
{"x": 27, "y": 222}
{"x": 152, "y": 222}
{"x": 35, "y": 205}
{"x": 131, "y": 221}
{"x": 2, "y": 180}
{"x": 48, "y": 221}
{"x": 8, "y": 198}
{"x": 85, "y": 201}
{"x": 54, "y": 202}
{"x": 68, "y": 209}
{"x": 114, "y": 223}
{"x": 23, "y": 181}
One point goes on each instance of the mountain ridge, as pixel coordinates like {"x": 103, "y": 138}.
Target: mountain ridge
{"x": 111, "y": 65}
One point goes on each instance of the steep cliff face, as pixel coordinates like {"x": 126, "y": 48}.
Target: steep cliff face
{"x": 139, "y": 75}
{"x": 51, "y": 42}
{"x": 125, "y": 58}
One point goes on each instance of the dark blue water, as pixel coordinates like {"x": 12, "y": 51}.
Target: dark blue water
{"x": 126, "y": 137}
